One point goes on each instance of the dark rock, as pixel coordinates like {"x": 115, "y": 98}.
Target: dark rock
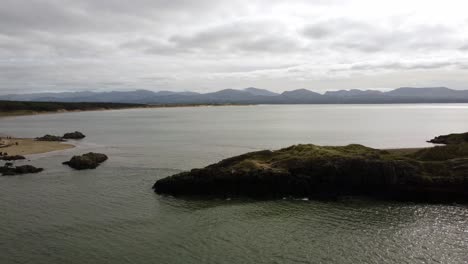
{"x": 8, "y": 170}
{"x": 27, "y": 169}
{"x": 86, "y": 161}
{"x": 74, "y": 135}
{"x": 329, "y": 172}
{"x": 50, "y": 138}
{"x": 450, "y": 139}
{"x": 13, "y": 157}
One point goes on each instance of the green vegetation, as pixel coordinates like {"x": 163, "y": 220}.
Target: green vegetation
{"x": 24, "y": 108}
{"x": 442, "y": 153}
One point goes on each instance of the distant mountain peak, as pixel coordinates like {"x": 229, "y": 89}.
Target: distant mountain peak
{"x": 301, "y": 91}
{"x": 261, "y": 92}
{"x": 430, "y": 92}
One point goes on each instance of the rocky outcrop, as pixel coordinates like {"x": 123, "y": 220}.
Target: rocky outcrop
{"x": 9, "y": 170}
{"x": 50, "y": 138}
{"x": 86, "y": 161}
{"x": 329, "y": 172}
{"x": 450, "y": 139}
{"x": 13, "y": 157}
{"x": 74, "y": 135}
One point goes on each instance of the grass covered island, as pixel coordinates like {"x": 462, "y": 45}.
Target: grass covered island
{"x": 436, "y": 174}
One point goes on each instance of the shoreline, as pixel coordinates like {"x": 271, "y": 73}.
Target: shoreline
{"x": 4, "y": 114}
{"x": 14, "y": 113}
{"x": 29, "y": 146}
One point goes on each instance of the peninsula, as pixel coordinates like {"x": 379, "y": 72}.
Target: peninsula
{"x": 437, "y": 174}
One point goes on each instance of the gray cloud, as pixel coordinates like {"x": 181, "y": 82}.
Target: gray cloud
{"x": 234, "y": 37}
{"x": 415, "y": 65}
{"x": 464, "y": 47}
{"x": 365, "y": 37}
{"x": 205, "y": 45}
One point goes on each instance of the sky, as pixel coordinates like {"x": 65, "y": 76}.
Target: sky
{"x": 208, "y": 45}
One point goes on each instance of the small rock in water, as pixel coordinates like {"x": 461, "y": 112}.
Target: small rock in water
{"x": 86, "y": 161}
{"x": 13, "y": 157}
{"x": 74, "y": 135}
{"x": 50, "y": 138}
{"x": 8, "y": 170}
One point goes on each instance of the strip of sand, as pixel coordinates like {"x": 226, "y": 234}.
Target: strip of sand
{"x": 26, "y": 146}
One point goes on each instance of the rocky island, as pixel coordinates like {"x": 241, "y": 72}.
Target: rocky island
{"x": 86, "y": 161}
{"x": 71, "y": 135}
{"x": 8, "y": 170}
{"x": 50, "y": 138}
{"x": 74, "y": 135}
{"x": 437, "y": 174}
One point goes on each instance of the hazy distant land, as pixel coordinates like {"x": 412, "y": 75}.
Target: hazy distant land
{"x": 17, "y": 108}
{"x": 250, "y": 96}
{"x": 11, "y": 108}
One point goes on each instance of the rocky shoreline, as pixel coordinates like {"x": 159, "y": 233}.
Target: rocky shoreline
{"x": 437, "y": 174}
{"x": 86, "y": 161}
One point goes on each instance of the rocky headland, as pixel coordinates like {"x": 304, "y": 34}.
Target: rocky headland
{"x": 436, "y": 174}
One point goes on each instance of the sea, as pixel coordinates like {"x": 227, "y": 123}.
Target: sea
{"x": 112, "y": 215}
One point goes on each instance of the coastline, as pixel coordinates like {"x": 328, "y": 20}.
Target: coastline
{"x": 32, "y": 113}
{"x": 5, "y": 114}
{"x": 28, "y": 146}
{"x": 27, "y": 112}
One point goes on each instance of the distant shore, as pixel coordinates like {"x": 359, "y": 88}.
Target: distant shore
{"x": 27, "y": 146}
{"x": 15, "y": 108}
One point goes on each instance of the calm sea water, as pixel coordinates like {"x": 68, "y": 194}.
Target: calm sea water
{"x": 111, "y": 215}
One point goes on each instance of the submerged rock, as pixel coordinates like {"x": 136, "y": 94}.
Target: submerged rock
{"x": 74, "y": 135}
{"x": 86, "y": 161}
{"x": 9, "y": 170}
{"x": 13, "y": 157}
{"x": 50, "y": 138}
{"x": 328, "y": 172}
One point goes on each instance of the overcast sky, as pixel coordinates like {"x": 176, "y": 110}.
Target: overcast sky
{"x": 207, "y": 45}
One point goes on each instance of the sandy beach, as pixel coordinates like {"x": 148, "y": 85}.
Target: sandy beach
{"x": 25, "y": 146}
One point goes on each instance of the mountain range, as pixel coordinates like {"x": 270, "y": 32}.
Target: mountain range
{"x": 255, "y": 96}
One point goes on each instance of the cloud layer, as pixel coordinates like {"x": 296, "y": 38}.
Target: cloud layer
{"x": 66, "y": 45}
